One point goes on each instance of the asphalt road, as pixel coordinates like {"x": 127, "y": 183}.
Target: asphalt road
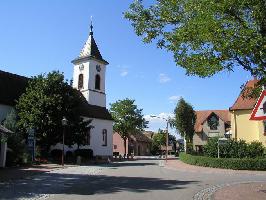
{"x": 145, "y": 179}
{"x": 130, "y": 180}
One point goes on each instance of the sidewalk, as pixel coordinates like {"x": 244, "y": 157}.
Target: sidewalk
{"x": 247, "y": 191}
{"x": 176, "y": 164}
{"x": 229, "y": 191}
{"x": 14, "y": 173}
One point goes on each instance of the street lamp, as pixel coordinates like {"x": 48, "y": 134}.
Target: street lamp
{"x": 64, "y": 124}
{"x": 167, "y": 125}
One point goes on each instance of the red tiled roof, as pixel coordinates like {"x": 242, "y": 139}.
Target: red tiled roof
{"x": 202, "y": 116}
{"x": 245, "y": 103}
{"x": 140, "y": 137}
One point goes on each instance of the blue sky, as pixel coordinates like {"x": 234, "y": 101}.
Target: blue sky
{"x": 41, "y": 36}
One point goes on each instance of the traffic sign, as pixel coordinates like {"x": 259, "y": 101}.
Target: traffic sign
{"x": 259, "y": 111}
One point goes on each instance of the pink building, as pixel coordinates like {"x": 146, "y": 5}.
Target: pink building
{"x": 138, "y": 144}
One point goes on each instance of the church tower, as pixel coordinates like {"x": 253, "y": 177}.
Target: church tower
{"x": 89, "y": 73}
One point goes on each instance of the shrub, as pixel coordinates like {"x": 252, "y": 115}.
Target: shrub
{"x": 255, "y": 149}
{"x": 226, "y": 163}
{"x": 84, "y": 153}
{"x": 18, "y": 152}
{"x": 211, "y": 149}
{"x": 190, "y": 148}
{"x": 233, "y": 149}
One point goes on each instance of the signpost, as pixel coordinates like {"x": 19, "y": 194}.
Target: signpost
{"x": 259, "y": 111}
{"x": 31, "y": 143}
{"x": 221, "y": 141}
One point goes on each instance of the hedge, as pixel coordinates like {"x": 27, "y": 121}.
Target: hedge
{"x": 226, "y": 163}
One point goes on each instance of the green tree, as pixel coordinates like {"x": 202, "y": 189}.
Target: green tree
{"x": 184, "y": 119}
{"x": 48, "y": 98}
{"x": 158, "y": 140}
{"x": 128, "y": 118}
{"x": 206, "y": 36}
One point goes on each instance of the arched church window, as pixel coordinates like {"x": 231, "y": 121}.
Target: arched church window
{"x": 104, "y": 137}
{"x": 97, "y": 82}
{"x": 80, "y": 81}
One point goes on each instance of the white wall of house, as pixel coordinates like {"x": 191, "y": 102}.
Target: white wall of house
{"x": 96, "y": 142}
{"x": 4, "y": 111}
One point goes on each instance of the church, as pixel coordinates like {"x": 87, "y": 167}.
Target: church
{"x": 89, "y": 78}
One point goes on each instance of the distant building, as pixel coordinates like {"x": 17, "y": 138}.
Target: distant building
{"x": 210, "y": 123}
{"x": 138, "y": 144}
{"x": 242, "y": 127}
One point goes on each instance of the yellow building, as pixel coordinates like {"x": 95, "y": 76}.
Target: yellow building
{"x": 241, "y": 126}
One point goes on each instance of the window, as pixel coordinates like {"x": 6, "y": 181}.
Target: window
{"x": 213, "y": 122}
{"x": 115, "y": 146}
{"x": 104, "y": 137}
{"x": 97, "y": 82}
{"x": 88, "y": 139}
{"x": 80, "y": 83}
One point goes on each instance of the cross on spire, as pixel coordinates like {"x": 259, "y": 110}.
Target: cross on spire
{"x": 91, "y": 27}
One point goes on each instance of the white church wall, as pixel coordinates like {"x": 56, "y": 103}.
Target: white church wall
{"x": 96, "y": 142}
{"x": 4, "y": 111}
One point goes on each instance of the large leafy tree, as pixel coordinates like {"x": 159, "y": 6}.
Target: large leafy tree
{"x": 206, "y": 36}
{"x": 184, "y": 119}
{"x": 128, "y": 118}
{"x": 49, "y": 98}
{"x": 158, "y": 140}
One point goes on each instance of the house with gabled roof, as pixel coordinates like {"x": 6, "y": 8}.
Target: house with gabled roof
{"x": 138, "y": 144}
{"x": 210, "y": 123}
{"x": 242, "y": 127}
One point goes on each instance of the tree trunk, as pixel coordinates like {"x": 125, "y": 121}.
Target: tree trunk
{"x": 125, "y": 147}
{"x": 185, "y": 143}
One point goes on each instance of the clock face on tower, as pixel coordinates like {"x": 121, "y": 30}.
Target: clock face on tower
{"x": 98, "y": 68}
{"x": 81, "y": 67}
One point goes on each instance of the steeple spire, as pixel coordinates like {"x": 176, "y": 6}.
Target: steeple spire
{"x": 91, "y": 27}
{"x": 90, "y": 49}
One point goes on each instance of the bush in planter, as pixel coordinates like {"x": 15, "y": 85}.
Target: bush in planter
{"x": 56, "y": 154}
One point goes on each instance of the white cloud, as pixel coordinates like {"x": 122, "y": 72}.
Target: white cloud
{"x": 158, "y": 122}
{"x": 174, "y": 98}
{"x": 123, "y": 73}
{"x": 163, "y": 78}
{"x": 123, "y": 70}
{"x": 159, "y": 118}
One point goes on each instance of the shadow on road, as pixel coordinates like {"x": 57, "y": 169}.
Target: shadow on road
{"x": 56, "y": 183}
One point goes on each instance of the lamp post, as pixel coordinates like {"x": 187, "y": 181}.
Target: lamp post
{"x": 64, "y": 124}
{"x": 167, "y": 126}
